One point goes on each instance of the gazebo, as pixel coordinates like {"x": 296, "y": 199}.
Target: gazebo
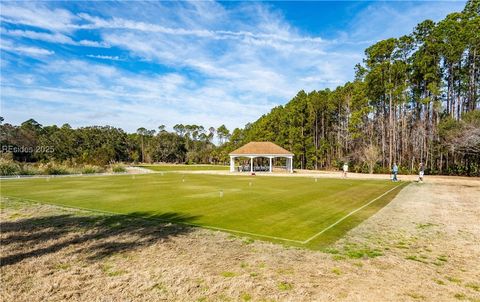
{"x": 261, "y": 149}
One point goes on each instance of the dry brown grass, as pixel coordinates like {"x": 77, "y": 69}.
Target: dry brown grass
{"x": 422, "y": 247}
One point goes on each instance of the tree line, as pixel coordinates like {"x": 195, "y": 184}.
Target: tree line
{"x": 103, "y": 145}
{"x": 414, "y": 99}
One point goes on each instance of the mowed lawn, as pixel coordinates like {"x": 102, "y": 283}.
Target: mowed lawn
{"x": 291, "y": 208}
{"x": 184, "y": 167}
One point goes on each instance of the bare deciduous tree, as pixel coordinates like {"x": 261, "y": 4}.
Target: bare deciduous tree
{"x": 370, "y": 156}
{"x": 466, "y": 140}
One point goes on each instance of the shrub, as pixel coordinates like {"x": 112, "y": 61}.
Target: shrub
{"x": 118, "y": 168}
{"x": 28, "y": 169}
{"x": 89, "y": 169}
{"x": 8, "y": 156}
{"x": 378, "y": 169}
{"x": 55, "y": 169}
{"x": 8, "y": 168}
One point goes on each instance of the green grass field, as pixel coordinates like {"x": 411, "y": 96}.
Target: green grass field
{"x": 291, "y": 210}
{"x": 184, "y": 167}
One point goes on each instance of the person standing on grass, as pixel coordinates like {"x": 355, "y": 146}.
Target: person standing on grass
{"x": 345, "y": 169}
{"x": 395, "y": 172}
{"x": 421, "y": 172}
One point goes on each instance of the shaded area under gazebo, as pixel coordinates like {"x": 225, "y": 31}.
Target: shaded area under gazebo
{"x": 266, "y": 150}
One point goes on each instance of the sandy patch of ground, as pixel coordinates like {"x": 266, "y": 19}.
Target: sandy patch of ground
{"x": 423, "y": 246}
{"x": 139, "y": 170}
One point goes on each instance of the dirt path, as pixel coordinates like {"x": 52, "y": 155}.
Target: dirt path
{"x": 423, "y": 246}
{"x": 139, "y": 170}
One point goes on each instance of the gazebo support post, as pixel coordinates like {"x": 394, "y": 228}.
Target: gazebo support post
{"x": 251, "y": 164}
{"x": 270, "y": 160}
{"x": 232, "y": 163}
{"x": 290, "y": 164}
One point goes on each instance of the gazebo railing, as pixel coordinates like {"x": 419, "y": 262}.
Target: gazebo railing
{"x": 246, "y": 168}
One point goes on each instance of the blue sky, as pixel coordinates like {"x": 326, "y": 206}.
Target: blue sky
{"x": 133, "y": 64}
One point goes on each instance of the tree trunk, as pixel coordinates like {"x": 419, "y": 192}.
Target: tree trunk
{"x": 390, "y": 122}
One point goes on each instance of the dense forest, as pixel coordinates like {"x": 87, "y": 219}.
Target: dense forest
{"x": 103, "y": 145}
{"x": 414, "y": 99}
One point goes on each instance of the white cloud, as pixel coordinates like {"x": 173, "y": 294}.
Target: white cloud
{"x": 113, "y": 58}
{"x": 89, "y": 91}
{"x": 58, "y": 38}
{"x": 266, "y": 63}
{"x": 29, "y": 50}
{"x": 37, "y": 15}
{"x": 255, "y": 37}
{"x": 381, "y": 20}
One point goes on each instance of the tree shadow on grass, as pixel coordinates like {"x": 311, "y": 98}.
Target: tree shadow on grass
{"x": 97, "y": 236}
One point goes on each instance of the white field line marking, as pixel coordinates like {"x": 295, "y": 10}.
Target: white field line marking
{"x": 207, "y": 226}
{"x": 153, "y": 218}
{"x": 348, "y": 215}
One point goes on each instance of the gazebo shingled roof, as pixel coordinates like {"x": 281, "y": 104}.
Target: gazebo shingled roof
{"x": 260, "y": 148}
